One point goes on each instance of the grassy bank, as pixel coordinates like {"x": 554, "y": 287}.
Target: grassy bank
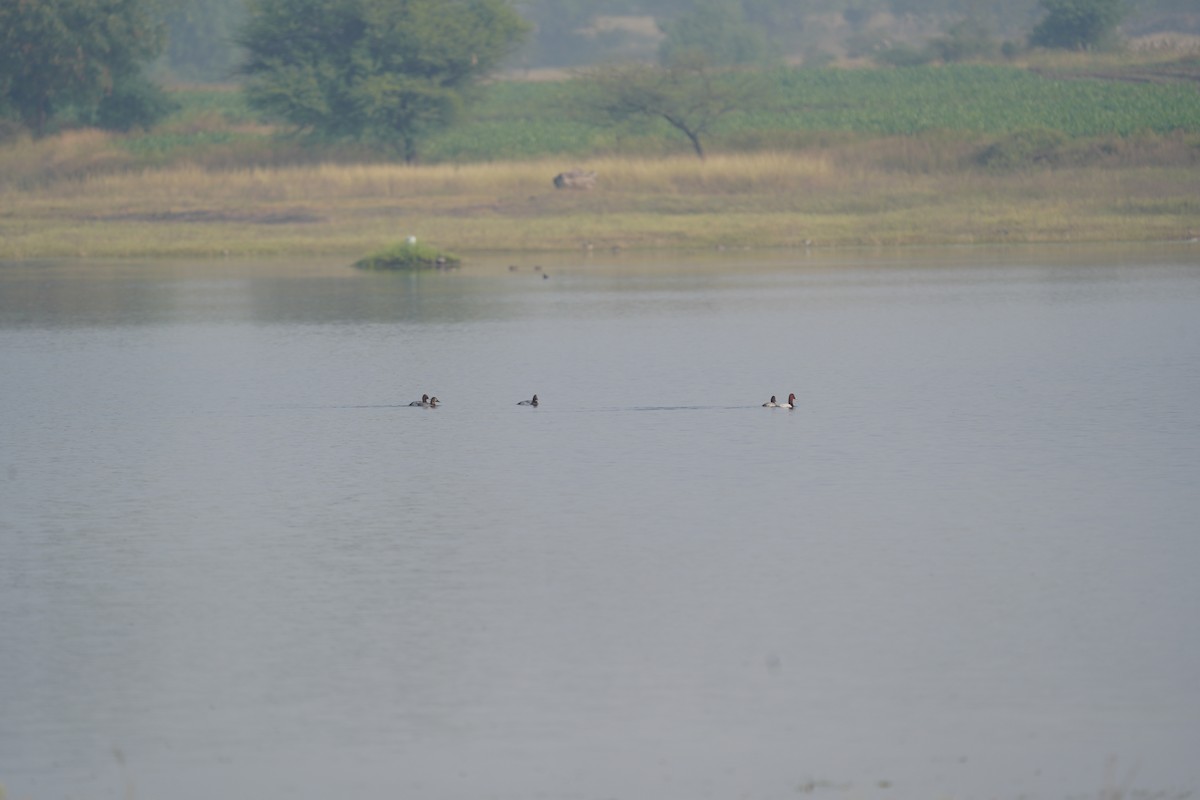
{"x": 1066, "y": 150}
{"x": 823, "y": 198}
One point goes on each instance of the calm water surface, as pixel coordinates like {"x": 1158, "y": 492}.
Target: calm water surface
{"x": 235, "y": 564}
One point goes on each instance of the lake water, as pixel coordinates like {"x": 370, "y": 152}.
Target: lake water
{"x": 235, "y": 564}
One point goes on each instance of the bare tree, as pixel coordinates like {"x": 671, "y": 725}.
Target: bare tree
{"x": 689, "y": 93}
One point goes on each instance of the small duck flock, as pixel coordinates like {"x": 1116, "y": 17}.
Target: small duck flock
{"x": 432, "y": 402}
{"x": 426, "y": 402}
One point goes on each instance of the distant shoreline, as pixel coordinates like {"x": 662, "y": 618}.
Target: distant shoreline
{"x": 1068, "y": 148}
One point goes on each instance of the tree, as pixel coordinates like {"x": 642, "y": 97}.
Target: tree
{"x": 200, "y": 40}
{"x": 688, "y": 93}
{"x": 1077, "y": 24}
{"x": 388, "y": 71}
{"x": 964, "y": 40}
{"x": 58, "y": 56}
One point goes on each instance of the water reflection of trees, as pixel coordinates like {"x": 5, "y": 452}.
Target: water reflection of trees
{"x": 49, "y": 298}
{"x": 416, "y": 297}
{"x": 80, "y": 296}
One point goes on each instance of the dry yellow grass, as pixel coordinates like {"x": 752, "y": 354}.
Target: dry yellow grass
{"x": 68, "y": 153}
{"x": 769, "y": 199}
{"x": 751, "y": 173}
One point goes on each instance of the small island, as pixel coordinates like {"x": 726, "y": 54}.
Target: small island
{"x": 409, "y": 255}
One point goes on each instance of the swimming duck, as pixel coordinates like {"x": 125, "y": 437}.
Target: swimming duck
{"x": 433, "y": 403}
{"x": 771, "y": 403}
{"x": 424, "y": 401}
{"x": 791, "y": 402}
{"x": 532, "y": 402}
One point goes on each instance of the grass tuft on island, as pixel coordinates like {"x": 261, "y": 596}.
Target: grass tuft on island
{"x": 408, "y": 255}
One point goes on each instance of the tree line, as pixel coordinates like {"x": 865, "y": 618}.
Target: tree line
{"x": 396, "y": 71}
{"x": 201, "y": 42}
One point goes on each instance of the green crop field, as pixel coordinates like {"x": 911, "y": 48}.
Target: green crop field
{"x": 977, "y": 99}
{"x": 523, "y": 120}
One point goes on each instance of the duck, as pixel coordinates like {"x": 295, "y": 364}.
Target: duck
{"x": 532, "y": 402}
{"x": 771, "y": 403}
{"x": 424, "y": 401}
{"x": 433, "y": 403}
{"x": 791, "y": 402}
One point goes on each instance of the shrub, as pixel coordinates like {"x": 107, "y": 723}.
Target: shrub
{"x": 965, "y": 41}
{"x": 1077, "y": 24}
{"x": 10, "y": 129}
{"x": 1023, "y": 149}
{"x": 134, "y": 103}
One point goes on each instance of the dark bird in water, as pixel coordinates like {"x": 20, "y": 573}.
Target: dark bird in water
{"x": 424, "y": 401}
{"x": 532, "y": 402}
